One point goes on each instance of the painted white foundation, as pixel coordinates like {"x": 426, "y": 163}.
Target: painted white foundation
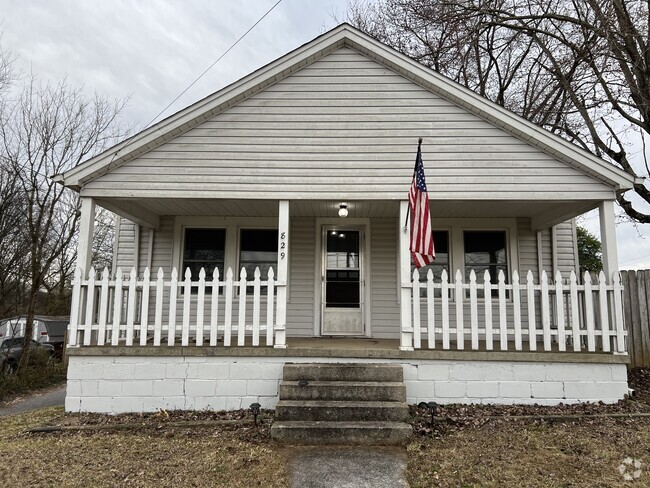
{"x": 147, "y": 384}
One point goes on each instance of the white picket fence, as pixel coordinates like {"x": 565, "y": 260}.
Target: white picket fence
{"x": 545, "y": 316}
{"x": 117, "y": 312}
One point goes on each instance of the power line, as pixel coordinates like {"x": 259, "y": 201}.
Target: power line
{"x": 212, "y": 65}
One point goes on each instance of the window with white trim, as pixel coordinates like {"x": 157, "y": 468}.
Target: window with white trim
{"x": 203, "y": 248}
{"x": 485, "y": 250}
{"x": 441, "y": 246}
{"x": 258, "y": 248}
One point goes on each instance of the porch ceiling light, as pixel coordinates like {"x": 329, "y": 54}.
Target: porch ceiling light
{"x": 343, "y": 210}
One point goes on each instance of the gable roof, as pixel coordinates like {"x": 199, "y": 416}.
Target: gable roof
{"x": 348, "y": 36}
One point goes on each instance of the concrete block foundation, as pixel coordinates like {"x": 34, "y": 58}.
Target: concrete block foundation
{"x": 113, "y": 385}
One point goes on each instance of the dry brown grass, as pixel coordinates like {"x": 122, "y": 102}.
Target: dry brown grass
{"x": 532, "y": 454}
{"x": 160, "y": 457}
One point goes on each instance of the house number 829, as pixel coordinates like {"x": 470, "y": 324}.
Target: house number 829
{"x": 283, "y": 244}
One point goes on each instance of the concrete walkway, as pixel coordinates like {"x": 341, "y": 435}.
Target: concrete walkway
{"x": 347, "y": 467}
{"x": 34, "y": 401}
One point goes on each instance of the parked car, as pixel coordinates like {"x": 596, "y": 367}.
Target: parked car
{"x": 11, "y": 351}
{"x": 48, "y": 329}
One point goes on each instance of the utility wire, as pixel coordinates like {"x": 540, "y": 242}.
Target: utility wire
{"x": 212, "y": 65}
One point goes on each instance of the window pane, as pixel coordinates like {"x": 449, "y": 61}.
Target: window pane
{"x": 204, "y": 248}
{"x": 258, "y": 249}
{"x": 485, "y": 247}
{"x": 485, "y": 251}
{"x": 342, "y": 288}
{"x": 342, "y": 249}
{"x": 441, "y": 245}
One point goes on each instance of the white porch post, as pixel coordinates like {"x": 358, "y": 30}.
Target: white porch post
{"x": 84, "y": 256}
{"x": 608, "y": 238}
{"x": 283, "y": 265}
{"x": 86, "y": 232}
{"x": 406, "y": 328}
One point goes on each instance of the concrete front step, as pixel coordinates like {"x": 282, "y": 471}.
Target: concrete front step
{"x": 314, "y": 410}
{"x": 344, "y": 390}
{"x": 343, "y": 372}
{"x": 353, "y": 433}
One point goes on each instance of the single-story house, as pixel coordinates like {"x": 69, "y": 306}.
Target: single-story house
{"x": 267, "y": 224}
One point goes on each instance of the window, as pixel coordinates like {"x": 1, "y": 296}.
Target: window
{"x": 342, "y": 275}
{"x": 486, "y": 250}
{"x": 441, "y": 246}
{"x": 258, "y": 248}
{"x": 204, "y": 248}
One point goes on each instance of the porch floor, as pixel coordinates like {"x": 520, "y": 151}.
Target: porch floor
{"x": 351, "y": 348}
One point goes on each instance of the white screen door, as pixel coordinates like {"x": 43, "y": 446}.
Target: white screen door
{"x": 342, "y": 289}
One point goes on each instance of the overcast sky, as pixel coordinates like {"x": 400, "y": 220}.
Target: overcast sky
{"x": 151, "y": 50}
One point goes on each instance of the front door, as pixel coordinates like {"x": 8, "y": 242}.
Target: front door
{"x": 342, "y": 282}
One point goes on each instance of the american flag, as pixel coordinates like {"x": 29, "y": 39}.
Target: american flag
{"x": 421, "y": 246}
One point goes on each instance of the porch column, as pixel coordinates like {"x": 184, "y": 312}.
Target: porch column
{"x": 608, "y": 238}
{"x": 84, "y": 256}
{"x": 406, "y": 328}
{"x": 283, "y": 261}
{"x": 86, "y": 232}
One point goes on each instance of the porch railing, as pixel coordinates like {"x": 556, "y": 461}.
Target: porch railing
{"x": 130, "y": 310}
{"x": 517, "y": 315}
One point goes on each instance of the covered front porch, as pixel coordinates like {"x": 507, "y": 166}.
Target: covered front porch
{"x": 543, "y": 308}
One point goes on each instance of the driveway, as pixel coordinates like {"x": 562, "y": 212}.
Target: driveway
{"x": 51, "y": 398}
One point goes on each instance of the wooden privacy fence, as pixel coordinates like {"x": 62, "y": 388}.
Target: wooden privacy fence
{"x": 637, "y": 313}
{"x": 521, "y": 315}
{"x": 154, "y": 311}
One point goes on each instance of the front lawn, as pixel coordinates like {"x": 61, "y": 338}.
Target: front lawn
{"x": 473, "y": 449}
{"x": 154, "y": 456}
{"x": 483, "y": 447}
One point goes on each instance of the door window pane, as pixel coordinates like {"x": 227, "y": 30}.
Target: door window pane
{"x": 342, "y": 289}
{"x": 342, "y": 276}
{"x": 342, "y": 249}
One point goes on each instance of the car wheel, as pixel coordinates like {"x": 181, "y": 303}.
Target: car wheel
{"x": 9, "y": 369}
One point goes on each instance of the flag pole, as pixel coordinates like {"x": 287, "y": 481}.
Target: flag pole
{"x": 415, "y": 168}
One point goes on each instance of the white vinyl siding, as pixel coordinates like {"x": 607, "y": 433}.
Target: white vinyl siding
{"x": 527, "y": 249}
{"x": 565, "y": 237}
{"x": 300, "y": 309}
{"x": 125, "y": 252}
{"x": 344, "y": 118}
{"x": 383, "y": 287}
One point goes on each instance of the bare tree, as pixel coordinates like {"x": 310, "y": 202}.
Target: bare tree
{"x": 13, "y": 246}
{"x": 49, "y": 129}
{"x": 13, "y": 243}
{"x": 57, "y": 281}
{"x": 579, "y": 68}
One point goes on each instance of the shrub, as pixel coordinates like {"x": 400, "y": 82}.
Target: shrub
{"x": 43, "y": 371}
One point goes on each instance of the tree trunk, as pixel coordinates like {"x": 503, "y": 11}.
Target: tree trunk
{"x": 29, "y": 329}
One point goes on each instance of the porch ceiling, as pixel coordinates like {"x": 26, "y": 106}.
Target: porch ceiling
{"x": 542, "y": 213}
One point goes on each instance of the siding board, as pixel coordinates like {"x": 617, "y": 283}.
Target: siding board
{"x": 346, "y": 109}
{"x": 385, "y": 311}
